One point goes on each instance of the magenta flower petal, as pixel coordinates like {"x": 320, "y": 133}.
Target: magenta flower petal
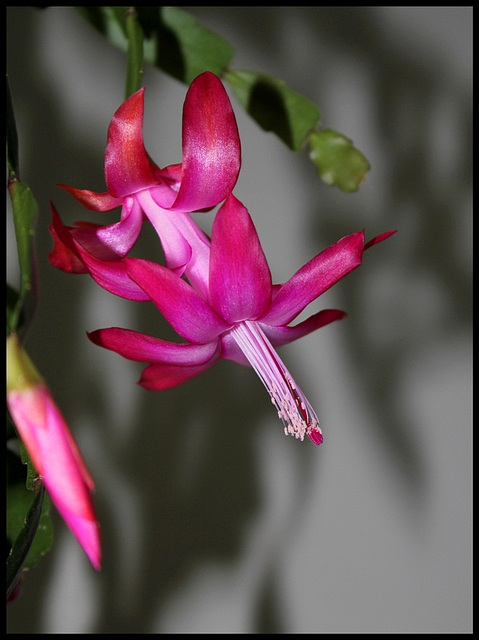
{"x": 240, "y": 279}
{"x": 64, "y": 254}
{"x": 76, "y": 247}
{"x": 314, "y": 278}
{"x": 112, "y": 275}
{"x": 143, "y": 348}
{"x": 127, "y": 165}
{"x": 280, "y": 336}
{"x": 112, "y": 242}
{"x": 217, "y": 294}
{"x": 211, "y": 146}
{"x": 91, "y": 199}
{"x": 158, "y": 377}
{"x": 379, "y": 238}
{"x": 181, "y": 305}
{"x": 211, "y": 162}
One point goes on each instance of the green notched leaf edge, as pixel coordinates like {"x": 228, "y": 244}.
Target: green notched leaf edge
{"x": 338, "y": 162}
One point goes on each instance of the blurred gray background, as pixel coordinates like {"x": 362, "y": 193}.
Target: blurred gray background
{"x": 212, "y": 519}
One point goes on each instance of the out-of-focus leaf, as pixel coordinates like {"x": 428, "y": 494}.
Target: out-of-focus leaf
{"x": 13, "y": 317}
{"x": 174, "y": 40}
{"x": 110, "y": 21}
{"x": 274, "y": 106}
{"x": 184, "y": 47}
{"x": 32, "y": 473}
{"x": 24, "y": 208}
{"x": 29, "y": 528}
{"x": 338, "y": 162}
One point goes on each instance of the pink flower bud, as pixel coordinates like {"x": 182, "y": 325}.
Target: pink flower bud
{"x": 52, "y": 449}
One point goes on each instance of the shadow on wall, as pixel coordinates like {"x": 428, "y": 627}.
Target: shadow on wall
{"x": 425, "y": 199}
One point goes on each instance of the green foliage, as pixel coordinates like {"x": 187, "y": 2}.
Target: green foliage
{"x": 274, "y": 106}
{"x": 338, "y": 162}
{"x": 29, "y": 528}
{"x": 175, "y": 42}
{"x": 24, "y": 208}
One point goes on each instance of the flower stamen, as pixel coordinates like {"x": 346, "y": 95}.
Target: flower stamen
{"x": 298, "y": 416}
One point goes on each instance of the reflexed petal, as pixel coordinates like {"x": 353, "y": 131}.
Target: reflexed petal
{"x": 127, "y": 165}
{"x": 109, "y": 242}
{"x": 314, "y": 278}
{"x": 91, "y": 199}
{"x": 68, "y": 254}
{"x": 182, "y": 306}
{"x": 379, "y": 238}
{"x": 143, "y": 348}
{"x": 112, "y": 242}
{"x": 64, "y": 254}
{"x": 240, "y": 279}
{"x": 280, "y": 336}
{"x": 211, "y": 146}
{"x": 112, "y": 276}
{"x": 158, "y": 377}
{"x": 284, "y": 335}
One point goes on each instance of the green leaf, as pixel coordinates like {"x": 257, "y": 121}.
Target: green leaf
{"x": 174, "y": 40}
{"x": 32, "y": 473}
{"x": 24, "y": 209}
{"x": 14, "y": 316}
{"x": 184, "y": 47}
{"x": 274, "y": 106}
{"x": 29, "y": 528}
{"x": 338, "y": 162}
{"x": 110, "y": 21}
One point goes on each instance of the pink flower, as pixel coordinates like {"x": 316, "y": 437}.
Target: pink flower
{"x": 230, "y": 309}
{"x": 210, "y": 167}
{"x": 52, "y": 449}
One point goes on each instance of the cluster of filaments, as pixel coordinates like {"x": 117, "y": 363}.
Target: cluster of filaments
{"x": 297, "y": 415}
